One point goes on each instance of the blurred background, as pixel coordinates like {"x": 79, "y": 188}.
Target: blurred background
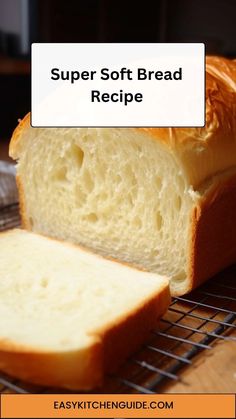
{"x": 25, "y": 21}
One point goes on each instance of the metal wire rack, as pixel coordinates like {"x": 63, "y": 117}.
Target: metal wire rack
{"x": 9, "y": 216}
{"x": 192, "y": 325}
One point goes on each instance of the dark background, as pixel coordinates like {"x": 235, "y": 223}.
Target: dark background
{"x": 26, "y": 21}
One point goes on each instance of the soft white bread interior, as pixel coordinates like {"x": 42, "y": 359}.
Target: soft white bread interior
{"x": 134, "y": 194}
{"x": 114, "y": 191}
{"x": 68, "y": 312}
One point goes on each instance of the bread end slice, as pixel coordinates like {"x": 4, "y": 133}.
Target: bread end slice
{"x": 71, "y": 316}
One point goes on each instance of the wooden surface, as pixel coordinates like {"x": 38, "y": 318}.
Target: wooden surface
{"x": 212, "y": 371}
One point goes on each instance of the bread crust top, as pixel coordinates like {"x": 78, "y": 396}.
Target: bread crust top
{"x": 201, "y": 152}
{"x": 207, "y": 151}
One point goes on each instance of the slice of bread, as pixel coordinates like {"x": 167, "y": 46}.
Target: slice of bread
{"x": 69, "y": 316}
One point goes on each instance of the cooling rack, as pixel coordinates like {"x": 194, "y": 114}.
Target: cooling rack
{"x": 192, "y": 325}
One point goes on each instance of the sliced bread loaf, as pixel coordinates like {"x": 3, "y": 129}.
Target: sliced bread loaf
{"x": 161, "y": 198}
{"x": 69, "y": 316}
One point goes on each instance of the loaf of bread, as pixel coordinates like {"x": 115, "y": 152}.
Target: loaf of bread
{"x": 66, "y": 312}
{"x": 163, "y": 199}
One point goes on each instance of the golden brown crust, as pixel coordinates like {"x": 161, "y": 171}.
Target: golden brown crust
{"x": 72, "y": 370}
{"x": 223, "y": 69}
{"x": 16, "y": 136}
{"x": 85, "y": 369}
{"x": 213, "y": 237}
{"x": 206, "y": 151}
